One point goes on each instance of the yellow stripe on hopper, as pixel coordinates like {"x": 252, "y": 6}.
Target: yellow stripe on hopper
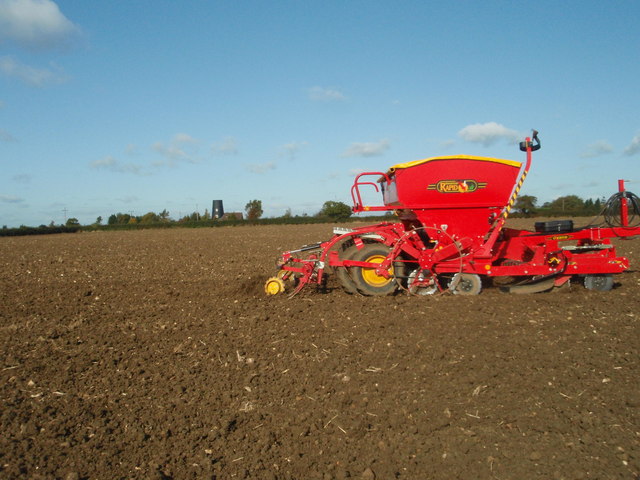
{"x": 510, "y": 163}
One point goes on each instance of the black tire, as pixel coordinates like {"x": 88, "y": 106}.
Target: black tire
{"x": 343, "y": 274}
{"x": 365, "y": 279}
{"x": 601, "y": 283}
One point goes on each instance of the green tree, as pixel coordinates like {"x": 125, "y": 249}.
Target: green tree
{"x": 192, "y": 217}
{"x": 526, "y": 205}
{"x": 335, "y": 210}
{"x": 566, "y": 205}
{"x": 592, "y": 207}
{"x": 253, "y": 209}
{"x": 149, "y": 218}
{"x": 99, "y": 220}
{"x": 164, "y": 215}
{"x": 72, "y": 222}
{"x": 597, "y": 205}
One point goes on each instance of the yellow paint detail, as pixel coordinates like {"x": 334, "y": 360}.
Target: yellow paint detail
{"x": 414, "y": 163}
{"x": 370, "y": 276}
{"x": 274, "y": 286}
{"x": 487, "y": 267}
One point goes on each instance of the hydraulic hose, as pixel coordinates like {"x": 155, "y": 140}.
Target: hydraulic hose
{"x": 611, "y": 210}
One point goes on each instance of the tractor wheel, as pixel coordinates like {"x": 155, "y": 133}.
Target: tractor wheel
{"x": 465, "y": 284}
{"x": 601, "y": 283}
{"x": 343, "y": 274}
{"x": 366, "y": 280}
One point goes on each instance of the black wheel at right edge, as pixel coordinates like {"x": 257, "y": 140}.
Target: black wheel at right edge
{"x": 601, "y": 283}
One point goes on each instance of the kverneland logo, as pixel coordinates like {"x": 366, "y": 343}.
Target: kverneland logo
{"x": 457, "y": 186}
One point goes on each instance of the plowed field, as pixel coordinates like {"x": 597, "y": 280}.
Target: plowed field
{"x": 155, "y": 354}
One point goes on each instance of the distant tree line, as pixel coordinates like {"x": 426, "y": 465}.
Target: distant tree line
{"x": 253, "y": 211}
{"x": 566, "y": 206}
{"x": 331, "y": 211}
{"x": 128, "y": 219}
{"x": 41, "y": 230}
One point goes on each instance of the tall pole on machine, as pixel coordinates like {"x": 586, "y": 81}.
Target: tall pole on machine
{"x": 624, "y": 207}
{"x": 515, "y": 193}
{"x": 494, "y": 231}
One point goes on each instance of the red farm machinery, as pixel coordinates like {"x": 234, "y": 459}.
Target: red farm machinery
{"x": 451, "y": 236}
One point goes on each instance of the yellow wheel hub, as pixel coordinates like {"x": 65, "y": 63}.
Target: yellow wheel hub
{"x": 274, "y": 286}
{"x": 370, "y": 276}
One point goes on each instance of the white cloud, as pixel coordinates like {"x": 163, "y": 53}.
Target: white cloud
{"x": 36, "y": 77}
{"x": 261, "y": 168}
{"x": 113, "y": 165}
{"x": 10, "y": 199}
{"x": 105, "y": 162}
{"x": 171, "y": 152}
{"x": 184, "y": 138}
{"x": 181, "y": 148}
{"x": 228, "y": 146}
{"x": 6, "y": 136}
{"x": 35, "y": 24}
{"x": 290, "y": 150}
{"x": 370, "y": 149}
{"x": 131, "y": 149}
{"x": 634, "y": 146}
{"x": 323, "y": 94}
{"x": 488, "y": 133}
{"x": 601, "y": 147}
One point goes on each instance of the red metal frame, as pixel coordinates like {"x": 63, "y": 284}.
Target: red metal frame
{"x": 452, "y": 212}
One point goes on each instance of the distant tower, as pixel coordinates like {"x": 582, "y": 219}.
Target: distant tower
{"x": 217, "y": 210}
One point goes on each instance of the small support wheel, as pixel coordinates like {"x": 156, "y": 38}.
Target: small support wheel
{"x": 419, "y": 284}
{"x": 366, "y": 280}
{"x": 466, "y": 284}
{"x": 274, "y": 286}
{"x": 601, "y": 283}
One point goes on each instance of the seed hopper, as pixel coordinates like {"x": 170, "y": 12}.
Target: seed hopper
{"x": 451, "y": 236}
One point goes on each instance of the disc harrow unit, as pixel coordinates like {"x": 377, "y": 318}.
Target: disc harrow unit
{"x": 451, "y": 236}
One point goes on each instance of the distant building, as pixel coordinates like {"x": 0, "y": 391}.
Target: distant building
{"x": 217, "y": 209}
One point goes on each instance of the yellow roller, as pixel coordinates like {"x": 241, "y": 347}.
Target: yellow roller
{"x": 274, "y": 286}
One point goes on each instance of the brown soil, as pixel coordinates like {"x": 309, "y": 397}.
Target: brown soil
{"x": 155, "y": 354}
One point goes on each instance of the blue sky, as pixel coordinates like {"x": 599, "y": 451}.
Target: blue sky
{"x": 138, "y": 106}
